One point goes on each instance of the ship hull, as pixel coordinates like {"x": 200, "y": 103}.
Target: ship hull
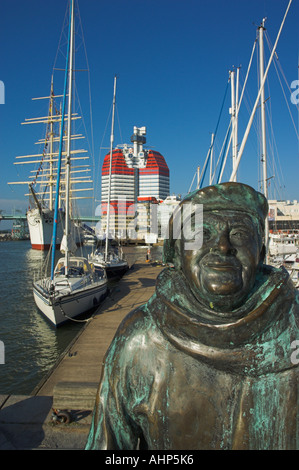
{"x": 41, "y": 229}
{"x": 117, "y": 270}
{"x": 69, "y": 306}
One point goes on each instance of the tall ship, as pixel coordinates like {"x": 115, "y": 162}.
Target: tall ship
{"x": 73, "y": 286}
{"x": 42, "y": 180}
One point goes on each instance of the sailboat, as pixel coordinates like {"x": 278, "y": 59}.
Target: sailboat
{"x": 40, "y": 215}
{"x": 73, "y": 287}
{"x": 112, "y": 261}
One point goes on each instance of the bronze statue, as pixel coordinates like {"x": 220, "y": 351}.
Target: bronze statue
{"x": 207, "y": 362}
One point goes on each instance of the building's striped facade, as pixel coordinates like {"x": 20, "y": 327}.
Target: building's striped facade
{"x": 135, "y": 174}
{"x": 154, "y": 178}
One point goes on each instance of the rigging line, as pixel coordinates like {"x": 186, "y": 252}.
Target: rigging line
{"x": 82, "y": 116}
{"x": 87, "y": 134}
{"x": 278, "y": 181}
{"x": 60, "y": 152}
{"x": 258, "y": 97}
{"x": 192, "y": 182}
{"x": 238, "y": 108}
{"x": 118, "y": 120}
{"x": 276, "y": 163}
{"x": 223, "y": 152}
{"x": 286, "y": 100}
{"x": 89, "y": 82}
{"x": 202, "y": 177}
{"x": 278, "y": 61}
{"x": 221, "y": 110}
{"x": 247, "y": 74}
{"x": 101, "y": 146}
{"x": 48, "y": 128}
{"x": 224, "y": 161}
{"x": 203, "y": 173}
{"x": 60, "y": 39}
{"x": 277, "y": 172}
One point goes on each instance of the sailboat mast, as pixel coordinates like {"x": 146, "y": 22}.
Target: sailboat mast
{"x": 235, "y": 150}
{"x": 60, "y": 158}
{"x": 263, "y": 125}
{"x": 51, "y": 146}
{"x": 234, "y": 113}
{"x": 211, "y": 160}
{"x": 68, "y": 156}
{"x": 240, "y": 153}
{"x": 110, "y": 169}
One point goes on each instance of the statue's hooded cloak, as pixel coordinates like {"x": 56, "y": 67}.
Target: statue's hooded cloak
{"x": 175, "y": 377}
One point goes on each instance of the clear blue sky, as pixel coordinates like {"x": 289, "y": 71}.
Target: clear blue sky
{"x": 172, "y": 58}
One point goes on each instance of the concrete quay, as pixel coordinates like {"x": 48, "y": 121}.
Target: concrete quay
{"x": 26, "y": 422}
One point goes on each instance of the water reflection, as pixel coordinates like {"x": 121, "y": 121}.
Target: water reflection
{"x": 32, "y": 344}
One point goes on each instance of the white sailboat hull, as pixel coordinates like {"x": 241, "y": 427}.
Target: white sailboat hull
{"x": 41, "y": 229}
{"x": 69, "y": 306}
{"x": 117, "y": 269}
{"x": 115, "y": 266}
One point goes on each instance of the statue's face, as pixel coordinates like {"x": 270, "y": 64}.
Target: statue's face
{"x": 223, "y": 271}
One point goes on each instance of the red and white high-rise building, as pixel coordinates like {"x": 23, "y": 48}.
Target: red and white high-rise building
{"x": 137, "y": 175}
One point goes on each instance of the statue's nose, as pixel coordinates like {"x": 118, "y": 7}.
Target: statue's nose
{"x": 224, "y": 245}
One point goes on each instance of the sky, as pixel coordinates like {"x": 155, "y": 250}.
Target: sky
{"x": 172, "y": 59}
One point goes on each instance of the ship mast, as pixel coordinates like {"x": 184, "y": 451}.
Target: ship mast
{"x": 51, "y": 146}
{"x": 110, "y": 169}
{"x": 263, "y": 125}
{"x": 68, "y": 156}
{"x": 60, "y": 152}
{"x": 234, "y": 114}
{"x": 245, "y": 137}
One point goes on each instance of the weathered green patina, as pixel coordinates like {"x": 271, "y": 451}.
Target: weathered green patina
{"x": 206, "y": 363}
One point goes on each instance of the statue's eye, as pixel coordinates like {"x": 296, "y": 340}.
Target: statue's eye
{"x": 239, "y": 235}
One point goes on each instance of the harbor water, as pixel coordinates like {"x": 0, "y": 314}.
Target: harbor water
{"x": 31, "y": 344}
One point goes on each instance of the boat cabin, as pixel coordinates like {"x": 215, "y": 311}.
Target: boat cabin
{"x": 77, "y": 267}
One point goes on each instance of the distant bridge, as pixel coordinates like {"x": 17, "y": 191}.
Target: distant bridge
{"x": 12, "y": 217}
{"x": 23, "y": 217}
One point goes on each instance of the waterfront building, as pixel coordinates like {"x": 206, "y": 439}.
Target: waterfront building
{"x": 165, "y": 210}
{"x": 138, "y": 176}
{"x": 283, "y": 215}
